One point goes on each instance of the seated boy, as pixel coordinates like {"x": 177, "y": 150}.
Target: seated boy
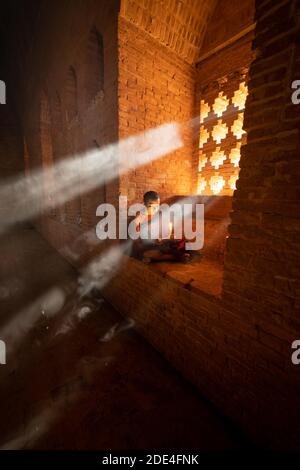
{"x": 164, "y": 247}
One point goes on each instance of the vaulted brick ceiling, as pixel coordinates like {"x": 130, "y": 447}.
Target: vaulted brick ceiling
{"x": 178, "y": 24}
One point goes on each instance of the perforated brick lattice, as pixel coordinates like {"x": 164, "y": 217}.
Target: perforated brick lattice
{"x": 221, "y": 136}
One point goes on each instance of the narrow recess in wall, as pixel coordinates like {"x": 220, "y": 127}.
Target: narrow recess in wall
{"x": 71, "y": 94}
{"x": 94, "y": 65}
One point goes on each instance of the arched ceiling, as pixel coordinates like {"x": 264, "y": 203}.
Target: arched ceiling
{"x": 178, "y": 24}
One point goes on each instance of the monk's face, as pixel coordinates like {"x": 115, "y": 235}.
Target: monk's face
{"x": 153, "y": 206}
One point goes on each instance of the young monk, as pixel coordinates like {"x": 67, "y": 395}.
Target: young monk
{"x": 164, "y": 247}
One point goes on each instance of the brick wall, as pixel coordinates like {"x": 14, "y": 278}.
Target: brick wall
{"x": 229, "y": 18}
{"x": 155, "y": 87}
{"x": 262, "y": 263}
{"x": 81, "y": 105}
{"x": 237, "y": 347}
{"x": 221, "y": 92}
{"x": 180, "y": 26}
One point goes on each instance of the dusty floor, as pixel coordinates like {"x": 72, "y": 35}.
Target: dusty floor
{"x": 78, "y": 376}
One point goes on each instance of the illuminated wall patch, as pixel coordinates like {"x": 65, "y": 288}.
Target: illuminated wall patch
{"x": 220, "y": 105}
{"x": 240, "y": 96}
{"x": 202, "y": 162}
{"x": 204, "y": 110}
{"x": 204, "y": 136}
{"x": 235, "y": 155}
{"x": 202, "y": 183}
{"x": 217, "y": 158}
{"x": 232, "y": 181}
{"x": 219, "y": 131}
{"x": 237, "y": 126}
{"x": 216, "y": 184}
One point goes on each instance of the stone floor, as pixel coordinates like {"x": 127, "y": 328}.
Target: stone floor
{"x": 77, "y": 374}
